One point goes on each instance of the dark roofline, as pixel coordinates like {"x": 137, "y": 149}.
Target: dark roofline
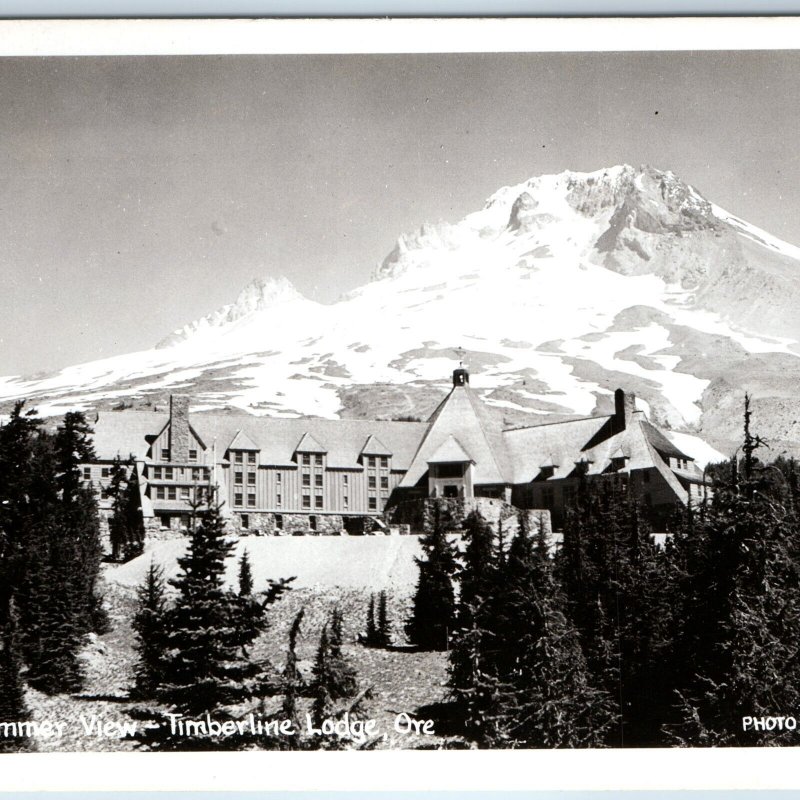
{"x": 560, "y": 422}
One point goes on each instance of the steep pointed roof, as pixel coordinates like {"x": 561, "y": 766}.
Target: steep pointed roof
{"x": 449, "y": 450}
{"x": 242, "y": 442}
{"x": 308, "y": 444}
{"x": 375, "y": 447}
{"x": 461, "y": 414}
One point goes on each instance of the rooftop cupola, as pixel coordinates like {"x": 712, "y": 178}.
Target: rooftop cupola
{"x": 460, "y": 377}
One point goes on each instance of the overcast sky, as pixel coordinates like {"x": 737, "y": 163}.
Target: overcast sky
{"x": 139, "y": 194}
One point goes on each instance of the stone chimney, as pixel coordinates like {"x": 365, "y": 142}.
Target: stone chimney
{"x": 624, "y": 408}
{"x": 179, "y": 436}
{"x": 460, "y": 377}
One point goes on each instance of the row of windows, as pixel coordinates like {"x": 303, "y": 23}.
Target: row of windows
{"x": 166, "y": 454}
{"x": 308, "y": 457}
{"x": 238, "y": 457}
{"x": 319, "y": 501}
{"x": 173, "y": 473}
{"x": 173, "y": 492}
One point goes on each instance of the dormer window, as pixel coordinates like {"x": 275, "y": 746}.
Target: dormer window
{"x": 238, "y": 457}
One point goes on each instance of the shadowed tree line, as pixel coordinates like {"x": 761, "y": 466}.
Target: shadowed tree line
{"x": 50, "y": 555}
{"x": 610, "y": 640}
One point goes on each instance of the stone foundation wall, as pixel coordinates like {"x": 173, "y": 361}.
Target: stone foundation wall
{"x": 418, "y": 515}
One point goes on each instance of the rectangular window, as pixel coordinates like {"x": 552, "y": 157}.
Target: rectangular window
{"x": 251, "y": 500}
{"x": 238, "y": 456}
{"x": 318, "y": 479}
{"x": 345, "y": 480}
{"x": 318, "y": 501}
{"x": 238, "y": 499}
{"x": 160, "y": 493}
{"x": 87, "y": 473}
{"x": 371, "y": 481}
{"x": 306, "y": 479}
{"x": 384, "y": 462}
{"x": 279, "y": 522}
{"x": 318, "y": 459}
{"x": 306, "y": 501}
{"x": 371, "y": 461}
{"x": 157, "y": 473}
{"x": 384, "y": 482}
{"x": 279, "y": 501}
{"x": 251, "y": 479}
{"x": 237, "y": 478}
{"x": 184, "y": 492}
{"x": 373, "y": 503}
{"x": 306, "y": 459}
{"x": 251, "y": 457}
{"x": 168, "y": 473}
{"x": 105, "y": 472}
{"x": 278, "y": 478}
{"x": 312, "y": 521}
{"x": 345, "y": 502}
{"x": 172, "y": 493}
{"x": 245, "y": 521}
{"x": 193, "y": 455}
{"x": 195, "y": 474}
{"x": 165, "y": 453}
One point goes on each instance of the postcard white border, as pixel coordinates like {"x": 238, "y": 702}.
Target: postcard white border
{"x": 720, "y": 769}
{"x": 321, "y": 36}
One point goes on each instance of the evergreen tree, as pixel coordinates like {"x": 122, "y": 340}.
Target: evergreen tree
{"x": 292, "y": 685}
{"x": 126, "y": 529}
{"x": 245, "y": 575}
{"x": 12, "y": 690}
{"x": 342, "y": 674}
{"x": 372, "y": 639}
{"x": 433, "y": 612}
{"x": 207, "y": 672}
{"x": 473, "y": 668}
{"x": 738, "y": 624}
{"x": 148, "y": 625}
{"x": 334, "y": 677}
{"x": 541, "y": 691}
{"x": 322, "y": 706}
{"x": 79, "y": 526}
{"x": 384, "y": 634}
{"x": 54, "y": 611}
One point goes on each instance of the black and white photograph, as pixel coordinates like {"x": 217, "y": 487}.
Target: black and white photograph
{"x": 400, "y": 400}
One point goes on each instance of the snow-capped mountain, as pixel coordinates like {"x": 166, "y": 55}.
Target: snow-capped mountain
{"x": 559, "y": 290}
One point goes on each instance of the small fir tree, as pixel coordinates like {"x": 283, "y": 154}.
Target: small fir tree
{"x": 433, "y": 613}
{"x": 207, "y": 672}
{"x": 384, "y": 634}
{"x": 148, "y": 625}
{"x": 371, "y": 639}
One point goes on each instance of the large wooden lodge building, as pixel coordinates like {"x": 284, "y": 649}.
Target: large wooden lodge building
{"x": 307, "y": 475}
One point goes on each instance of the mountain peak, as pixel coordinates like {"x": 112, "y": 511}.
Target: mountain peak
{"x": 258, "y": 295}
